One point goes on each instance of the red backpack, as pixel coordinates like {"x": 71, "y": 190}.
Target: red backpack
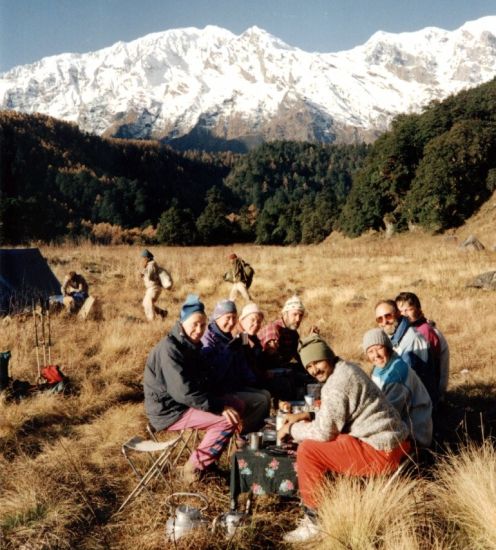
{"x": 52, "y": 374}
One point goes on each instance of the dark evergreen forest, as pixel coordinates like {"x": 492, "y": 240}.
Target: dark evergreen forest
{"x": 432, "y": 169}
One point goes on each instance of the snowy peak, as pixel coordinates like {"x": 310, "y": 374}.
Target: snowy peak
{"x": 185, "y": 85}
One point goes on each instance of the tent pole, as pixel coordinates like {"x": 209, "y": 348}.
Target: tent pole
{"x": 49, "y": 336}
{"x": 36, "y": 342}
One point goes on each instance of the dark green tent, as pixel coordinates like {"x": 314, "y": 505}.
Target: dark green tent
{"x": 25, "y": 278}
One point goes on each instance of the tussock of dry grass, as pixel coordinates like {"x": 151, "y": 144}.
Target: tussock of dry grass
{"x": 62, "y": 475}
{"x": 465, "y": 494}
{"x": 376, "y": 513}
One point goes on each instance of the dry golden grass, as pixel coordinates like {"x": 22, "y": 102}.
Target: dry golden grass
{"x": 464, "y": 494}
{"x": 61, "y": 471}
{"x": 377, "y": 513}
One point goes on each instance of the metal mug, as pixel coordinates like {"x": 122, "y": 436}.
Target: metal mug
{"x": 255, "y": 440}
{"x": 309, "y": 400}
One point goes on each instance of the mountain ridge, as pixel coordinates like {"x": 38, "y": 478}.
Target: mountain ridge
{"x": 198, "y": 85}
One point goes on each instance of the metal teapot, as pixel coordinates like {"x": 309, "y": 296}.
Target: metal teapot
{"x": 184, "y": 517}
{"x": 232, "y": 520}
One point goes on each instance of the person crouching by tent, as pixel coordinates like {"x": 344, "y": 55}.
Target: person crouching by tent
{"x": 74, "y": 291}
{"x": 151, "y": 278}
{"x": 356, "y": 431}
{"x": 176, "y": 398}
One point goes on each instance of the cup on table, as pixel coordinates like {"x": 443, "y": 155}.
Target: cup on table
{"x": 255, "y": 440}
{"x": 314, "y": 390}
{"x": 309, "y": 401}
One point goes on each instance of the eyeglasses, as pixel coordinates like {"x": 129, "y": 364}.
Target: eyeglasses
{"x": 384, "y": 318}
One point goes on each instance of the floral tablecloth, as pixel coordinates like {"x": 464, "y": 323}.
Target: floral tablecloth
{"x": 263, "y": 472}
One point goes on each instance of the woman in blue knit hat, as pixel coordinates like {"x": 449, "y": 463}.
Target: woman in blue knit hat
{"x": 176, "y": 395}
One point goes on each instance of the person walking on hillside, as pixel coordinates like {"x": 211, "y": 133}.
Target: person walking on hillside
{"x": 75, "y": 291}
{"x": 240, "y": 275}
{"x": 151, "y": 278}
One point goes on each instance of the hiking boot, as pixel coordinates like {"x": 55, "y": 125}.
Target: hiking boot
{"x": 306, "y": 530}
{"x": 191, "y": 474}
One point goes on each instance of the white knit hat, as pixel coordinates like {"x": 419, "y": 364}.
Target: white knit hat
{"x": 376, "y": 336}
{"x": 293, "y": 303}
{"x": 250, "y": 308}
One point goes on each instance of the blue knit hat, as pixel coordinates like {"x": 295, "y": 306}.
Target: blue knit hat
{"x": 191, "y": 305}
{"x": 223, "y": 307}
{"x": 146, "y": 254}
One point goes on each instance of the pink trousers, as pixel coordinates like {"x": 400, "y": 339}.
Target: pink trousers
{"x": 218, "y": 432}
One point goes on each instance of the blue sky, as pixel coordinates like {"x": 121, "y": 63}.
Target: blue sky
{"x": 32, "y": 29}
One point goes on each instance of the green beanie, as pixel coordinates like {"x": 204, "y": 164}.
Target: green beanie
{"x": 313, "y": 348}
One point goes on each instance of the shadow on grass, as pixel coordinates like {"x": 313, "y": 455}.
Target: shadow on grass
{"x": 468, "y": 414}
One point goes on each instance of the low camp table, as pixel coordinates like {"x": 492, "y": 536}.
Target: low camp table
{"x": 266, "y": 471}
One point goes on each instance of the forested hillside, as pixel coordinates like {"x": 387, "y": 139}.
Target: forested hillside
{"x": 57, "y": 181}
{"x": 433, "y": 169}
{"x": 54, "y": 176}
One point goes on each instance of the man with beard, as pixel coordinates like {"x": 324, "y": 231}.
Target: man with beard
{"x": 409, "y": 344}
{"x": 284, "y": 332}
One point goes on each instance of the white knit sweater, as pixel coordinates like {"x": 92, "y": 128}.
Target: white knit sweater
{"x": 351, "y": 403}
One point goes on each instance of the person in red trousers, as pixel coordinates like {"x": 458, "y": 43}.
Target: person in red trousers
{"x": 356, "y": 431}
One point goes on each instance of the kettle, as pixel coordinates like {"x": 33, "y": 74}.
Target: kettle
{"x": 184, "y": 517}
{"x": 230, "y": 521}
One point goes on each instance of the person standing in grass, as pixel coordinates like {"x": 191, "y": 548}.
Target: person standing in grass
{"x": 356, "y": 431}
{"x": 401, "y": 385}
{"x": 176, "y": 395}
{"x": 240, "y": 275}
{"x": 151, "y": 278}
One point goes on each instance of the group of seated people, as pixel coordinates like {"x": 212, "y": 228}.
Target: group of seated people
{"x": 221, "y": 374}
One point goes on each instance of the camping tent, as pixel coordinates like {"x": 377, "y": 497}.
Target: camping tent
{"x": 25, "y": 278}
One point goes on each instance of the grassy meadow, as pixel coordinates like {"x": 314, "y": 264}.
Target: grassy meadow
{"x": 62, "y": 474}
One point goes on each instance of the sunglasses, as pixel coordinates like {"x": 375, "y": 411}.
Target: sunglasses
{"x": 384, "y": 318}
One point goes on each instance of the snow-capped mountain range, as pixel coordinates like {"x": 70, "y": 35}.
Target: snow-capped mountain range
{"x": 195, "y": 87}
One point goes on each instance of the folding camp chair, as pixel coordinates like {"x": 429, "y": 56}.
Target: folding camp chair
{"x": 164, "y": 450}
{"x": 186, "y": 441}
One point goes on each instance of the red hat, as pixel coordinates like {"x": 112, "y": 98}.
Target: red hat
{"x": 232, "y": 256}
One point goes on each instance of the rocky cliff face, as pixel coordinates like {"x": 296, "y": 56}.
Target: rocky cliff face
{"x": 193, "y": 87}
